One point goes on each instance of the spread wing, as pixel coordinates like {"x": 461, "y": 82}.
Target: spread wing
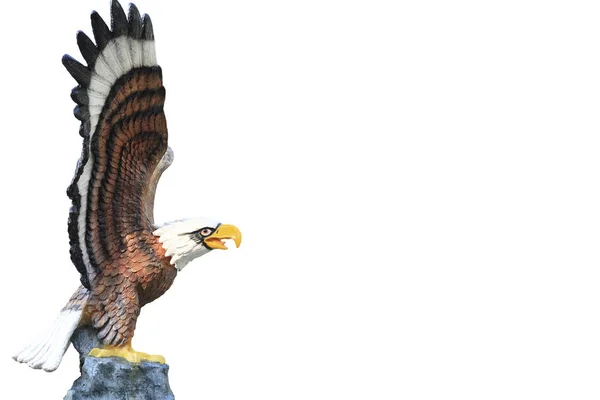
{"x": 120, "y": 100}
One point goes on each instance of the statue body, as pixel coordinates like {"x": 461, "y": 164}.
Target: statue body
{"x": 124, "y": 258}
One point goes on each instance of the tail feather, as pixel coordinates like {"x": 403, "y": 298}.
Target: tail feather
{"x": 42, "y": 347}
{"x": 47, "y": 351}
{"x": 32, "y": 350}
{"x": 38, "y": 361}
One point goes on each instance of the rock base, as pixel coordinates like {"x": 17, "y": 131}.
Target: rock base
{"x": 115, "y": 378}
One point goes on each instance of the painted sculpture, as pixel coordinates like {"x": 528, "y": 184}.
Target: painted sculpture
{"x": 125, "y": 260}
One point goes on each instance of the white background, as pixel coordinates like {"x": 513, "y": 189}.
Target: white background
{"x": 417, "y": 184}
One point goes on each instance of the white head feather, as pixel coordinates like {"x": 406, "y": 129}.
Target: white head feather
{"x": 178, "y": 240}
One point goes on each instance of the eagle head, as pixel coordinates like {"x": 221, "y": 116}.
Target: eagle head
{"x": 188, "y": 239}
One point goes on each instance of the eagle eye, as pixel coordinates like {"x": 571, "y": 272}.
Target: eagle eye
{"x": 206, "y": 231}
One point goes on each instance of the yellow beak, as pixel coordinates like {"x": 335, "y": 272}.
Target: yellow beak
{"x": 224, "y": 231}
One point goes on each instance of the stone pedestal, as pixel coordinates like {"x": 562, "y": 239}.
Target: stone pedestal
{"x": 114, "y": 378}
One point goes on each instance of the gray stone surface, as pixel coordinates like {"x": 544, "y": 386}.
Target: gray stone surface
{"x": 85, "y": 339}
{"x": 115, "y": 378}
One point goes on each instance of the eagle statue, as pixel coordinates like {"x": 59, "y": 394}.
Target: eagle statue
{"x": 125, "y": 260}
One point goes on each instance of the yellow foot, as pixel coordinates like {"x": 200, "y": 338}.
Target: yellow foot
{"x": 125, "y": 351}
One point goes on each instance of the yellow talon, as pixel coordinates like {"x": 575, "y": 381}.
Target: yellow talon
{"x": 125, "y": 351}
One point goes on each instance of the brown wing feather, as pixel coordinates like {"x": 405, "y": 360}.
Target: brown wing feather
{"x": 129, "y": 142}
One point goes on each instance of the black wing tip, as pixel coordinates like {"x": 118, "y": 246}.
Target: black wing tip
{"x": 82, "y": 75}
{"x": 135, "y": 22}
{"x": 78, "y": 71}
{"x": 148, "y": 29}
{"x": 133, "y": 9}
{"x": 101, "y": 32}
{"x": 118, "y": 19}
{"x": 88, "y": 49}
{"x": 82, "y": 113}
{"x": 132, "y": 25}
{"x": 79, "y": 95}
{"x": 66, "y": 59}
{"x": 84, "y": 129}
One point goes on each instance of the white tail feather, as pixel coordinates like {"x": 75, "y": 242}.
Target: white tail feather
{"x": 46, "y": 352}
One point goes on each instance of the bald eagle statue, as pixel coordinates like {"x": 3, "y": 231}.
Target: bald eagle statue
{"x": 125, "y": 260}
